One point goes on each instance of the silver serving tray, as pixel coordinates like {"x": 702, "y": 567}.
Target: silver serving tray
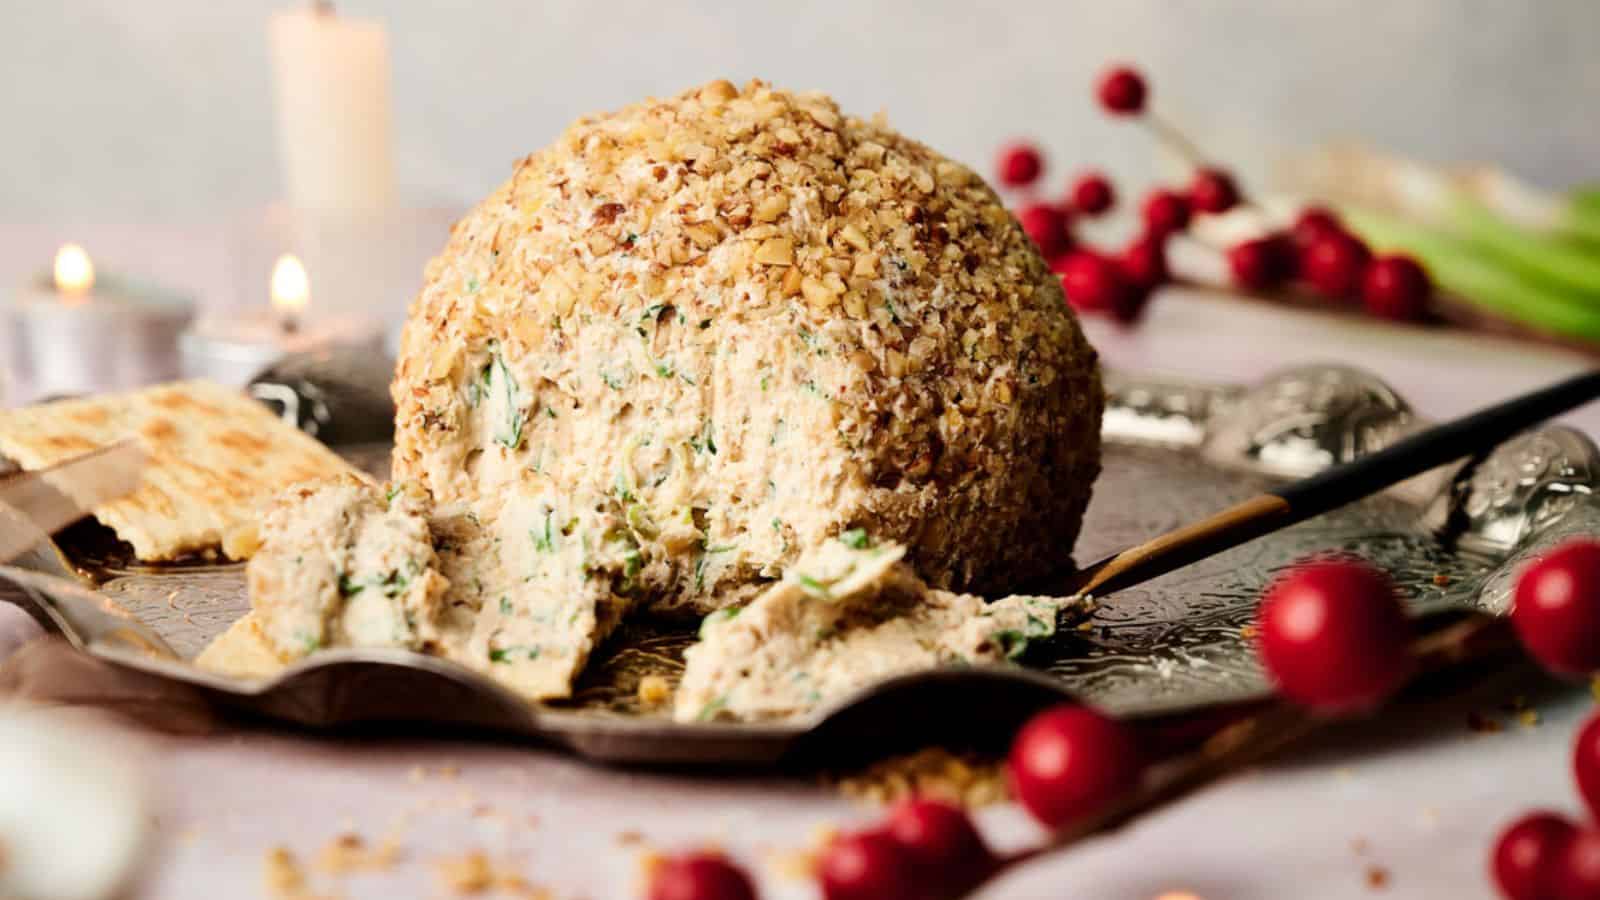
{"x": 1176, "y": 450}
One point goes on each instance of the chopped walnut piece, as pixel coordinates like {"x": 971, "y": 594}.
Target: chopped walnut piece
{"x": 654, "y": 690}
{"x": 348, "y": 853}
{"x": 935, "y": 772}
{"x": 469, "y": 874}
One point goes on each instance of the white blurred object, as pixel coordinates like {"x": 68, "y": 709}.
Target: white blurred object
{"x": 73, "y": 817}
{"x": 331, "y": 80}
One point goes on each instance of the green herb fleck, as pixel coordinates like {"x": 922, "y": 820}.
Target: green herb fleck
{"x": 710, "y": 710}
{"x": 348, "y": 587}
{"x": 721, "y": 615}
{"x": 508, "y": 432}
{"x": 505, "y": 606}
{"x": 815, "y": 587}
{"x": 510, "y": 654}
{"x": 1012, "y": 643}
{"x": 546, "y": 542}
{"x": 855, "y": 538}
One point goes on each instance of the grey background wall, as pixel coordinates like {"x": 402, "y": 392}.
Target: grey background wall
{"x": 161, "y": 109}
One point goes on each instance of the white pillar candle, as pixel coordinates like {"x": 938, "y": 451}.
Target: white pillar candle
{"x": 331, "y": 76}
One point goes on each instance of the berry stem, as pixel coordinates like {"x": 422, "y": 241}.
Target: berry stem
{"x": 1169, "y": 135}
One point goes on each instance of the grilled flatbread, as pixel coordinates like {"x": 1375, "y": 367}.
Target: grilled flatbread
{"x": 216, "y": 457}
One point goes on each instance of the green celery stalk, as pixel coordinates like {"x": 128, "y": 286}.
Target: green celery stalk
{"x": 1466, "y": 272}
{"x": 1541, "y": 254}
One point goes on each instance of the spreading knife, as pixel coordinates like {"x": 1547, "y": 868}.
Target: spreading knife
{"x": 36, "y": 504}
{"x": 1280, "y": 507}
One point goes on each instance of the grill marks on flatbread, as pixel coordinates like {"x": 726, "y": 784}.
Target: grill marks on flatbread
{"x": 216, "y": 457}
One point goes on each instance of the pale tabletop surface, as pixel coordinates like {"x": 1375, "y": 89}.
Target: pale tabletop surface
{"x": 1416, "y": 794}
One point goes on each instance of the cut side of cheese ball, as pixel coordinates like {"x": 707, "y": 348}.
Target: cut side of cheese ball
{"x": 755, "y": 323}
{"x": 845, "y": 616}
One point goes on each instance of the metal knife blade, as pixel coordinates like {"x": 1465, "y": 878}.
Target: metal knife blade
{"x": 37, "y": 504}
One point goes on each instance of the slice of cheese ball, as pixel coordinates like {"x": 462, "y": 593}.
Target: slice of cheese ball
{"x": 846, "y": 616}
{"x": 546, "y": 582}
{"x": 755, "y": 323}
{"x": 345, "y": 563}
{"x": 524, "y": 599}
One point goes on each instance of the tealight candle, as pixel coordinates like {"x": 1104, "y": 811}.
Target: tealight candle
{"x": 76, "y": 333}
{"x": 232, "y": 348}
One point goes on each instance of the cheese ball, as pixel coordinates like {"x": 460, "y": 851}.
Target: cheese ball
{"x": 745, "y": 323}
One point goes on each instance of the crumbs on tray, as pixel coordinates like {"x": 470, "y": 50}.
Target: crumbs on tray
{"x": 966, "y": 780}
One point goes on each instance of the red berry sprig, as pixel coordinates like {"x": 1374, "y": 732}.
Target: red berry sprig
{"x": 1333, "y": 635}
{"x": 1213, "y": 191}
{"x": 1556, "y": 614}
{"x": 702, "y": 875}
{"x": 1122, "y": 91}
{"x": 1071, "y": 762}
{"x": 1092, "y": 194}
{"x": 1165, "y": 212}
{"x": 1318, "y": 254}
{"x": 866, "y": 865}
{"x": 1020, "y": 164}
{"x": 1527, "y": 853}
{"x": 943, "y": 845}
{"x": 1556, "y": 608}
{"x": 926, "y": 850}
{"x": 1049, "y": 228}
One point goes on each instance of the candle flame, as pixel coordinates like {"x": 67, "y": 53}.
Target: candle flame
{"x": 74, "y": 272}
{"x": 291, "y": 287}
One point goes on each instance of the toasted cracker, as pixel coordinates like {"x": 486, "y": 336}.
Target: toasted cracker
{"x": 216, "y": 457}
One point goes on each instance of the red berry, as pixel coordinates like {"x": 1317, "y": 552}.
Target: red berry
{"x": 1527, "y": 854}
{"x": 1144, "y": 262}
{"x": 1069, "y": 762}
{"x": 1334, "y": 264}
{"x": 1556, "y": 609}
{"x": 1092, "y": 194}
{"x": 1020, "y": 164}
{"x": 1586, "y": 763}
{"x": 868, "y": 865}
{"x": 1314, "y": 222}
{"x": 1576, "y": 873}
{"x": 1048, "y": 226}
{"x": 1333, "y": 635}
{"x": 1092, "y": 283}
{"x": 946, "y": 852}
{"x": 1165, "y": 212}
{"x": 1395, "y": 287}
{"x": 1213, "y": 191}
{"x": 1122, "y": 91}
{"x": 1261, "y": 264}
{"x": 700, "y": 876}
